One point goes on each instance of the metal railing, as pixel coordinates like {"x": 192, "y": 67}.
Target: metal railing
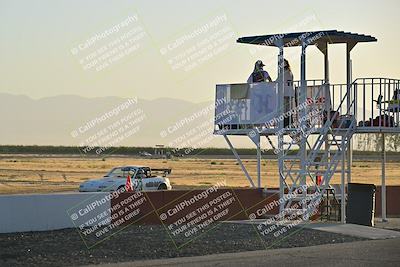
{"x": 376, "y": 105}
{"x": 377, "y": 102}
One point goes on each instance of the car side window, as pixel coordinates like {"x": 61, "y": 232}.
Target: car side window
{"x": 122, "y": 172}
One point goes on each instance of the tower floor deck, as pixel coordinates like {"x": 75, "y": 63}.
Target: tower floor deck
{"x": 358, "y": 130}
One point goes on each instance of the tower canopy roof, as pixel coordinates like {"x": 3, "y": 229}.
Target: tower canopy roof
{"x": 310, "y": 38}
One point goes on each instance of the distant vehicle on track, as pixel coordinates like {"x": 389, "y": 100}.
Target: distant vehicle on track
{"x": 143, "y": 179}
{"x": 145, "y": 154}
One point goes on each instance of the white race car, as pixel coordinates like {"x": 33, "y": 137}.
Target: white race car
{"x": 142, "y": 179}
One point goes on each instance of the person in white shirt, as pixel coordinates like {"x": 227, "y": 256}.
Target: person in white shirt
{"x": 288, "y": 90}
{"x": 259, "y": 74}
{"x": 287, "y": 79}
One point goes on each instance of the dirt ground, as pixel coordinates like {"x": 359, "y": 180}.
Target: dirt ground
{"x": 38, "y": 173}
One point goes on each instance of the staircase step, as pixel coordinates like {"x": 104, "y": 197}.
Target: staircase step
{"x": 322, "y": 172}
{"x": 332, "y": 142}
{"x": 313, "y": 163}
{"x": 294, "y": 211}
{"x": 291, "y": 157}
{"x": 291, "y": 143}
{"x": 317, "y": 163}
{"x": 299, "y": 197}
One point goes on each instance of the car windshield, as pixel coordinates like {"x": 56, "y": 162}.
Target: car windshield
{"x": 121, "y": 172}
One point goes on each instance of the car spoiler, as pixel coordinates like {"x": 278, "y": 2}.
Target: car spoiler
{"x": 164, "y": 171}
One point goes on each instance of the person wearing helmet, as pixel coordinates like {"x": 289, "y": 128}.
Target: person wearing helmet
{"x": 259, "y": 74}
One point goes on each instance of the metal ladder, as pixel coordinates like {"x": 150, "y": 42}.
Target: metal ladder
{"x": 294, "y": 190}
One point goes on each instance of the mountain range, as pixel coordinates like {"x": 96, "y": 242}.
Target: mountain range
{"x": 51, "y": 120}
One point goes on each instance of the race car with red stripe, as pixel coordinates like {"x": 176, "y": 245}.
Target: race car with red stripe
{"x": 143, "y": 179}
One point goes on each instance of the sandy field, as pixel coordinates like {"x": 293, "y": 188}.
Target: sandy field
{"x": 38, "y": 173}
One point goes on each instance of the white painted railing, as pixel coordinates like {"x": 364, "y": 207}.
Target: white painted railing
{"x": 377, "y": 103}
{"x": 245, "y": 106}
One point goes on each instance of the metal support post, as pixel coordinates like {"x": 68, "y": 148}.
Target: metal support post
{"x": 303, "y": 98}
{"x": 383, "y": 187}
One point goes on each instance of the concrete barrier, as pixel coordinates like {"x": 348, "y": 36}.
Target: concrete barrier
{"x": 41, "y": 212}
{"x": 44, "y": 212}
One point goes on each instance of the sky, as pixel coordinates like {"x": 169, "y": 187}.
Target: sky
{"x": 38, "y": 38}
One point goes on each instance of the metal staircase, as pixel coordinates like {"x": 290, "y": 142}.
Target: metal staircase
{"x": 300, "y": 190}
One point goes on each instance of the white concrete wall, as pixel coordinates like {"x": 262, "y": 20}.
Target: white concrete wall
{"x": 43, "y": 212}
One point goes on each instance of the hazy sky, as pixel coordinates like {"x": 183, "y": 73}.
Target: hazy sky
{"x": 38, "y": 37}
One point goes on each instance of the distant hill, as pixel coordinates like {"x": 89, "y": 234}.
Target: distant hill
{"x": 50, "y": 120}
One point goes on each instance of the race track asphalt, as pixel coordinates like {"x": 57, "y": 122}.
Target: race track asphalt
{"x": 362, "y": 253}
